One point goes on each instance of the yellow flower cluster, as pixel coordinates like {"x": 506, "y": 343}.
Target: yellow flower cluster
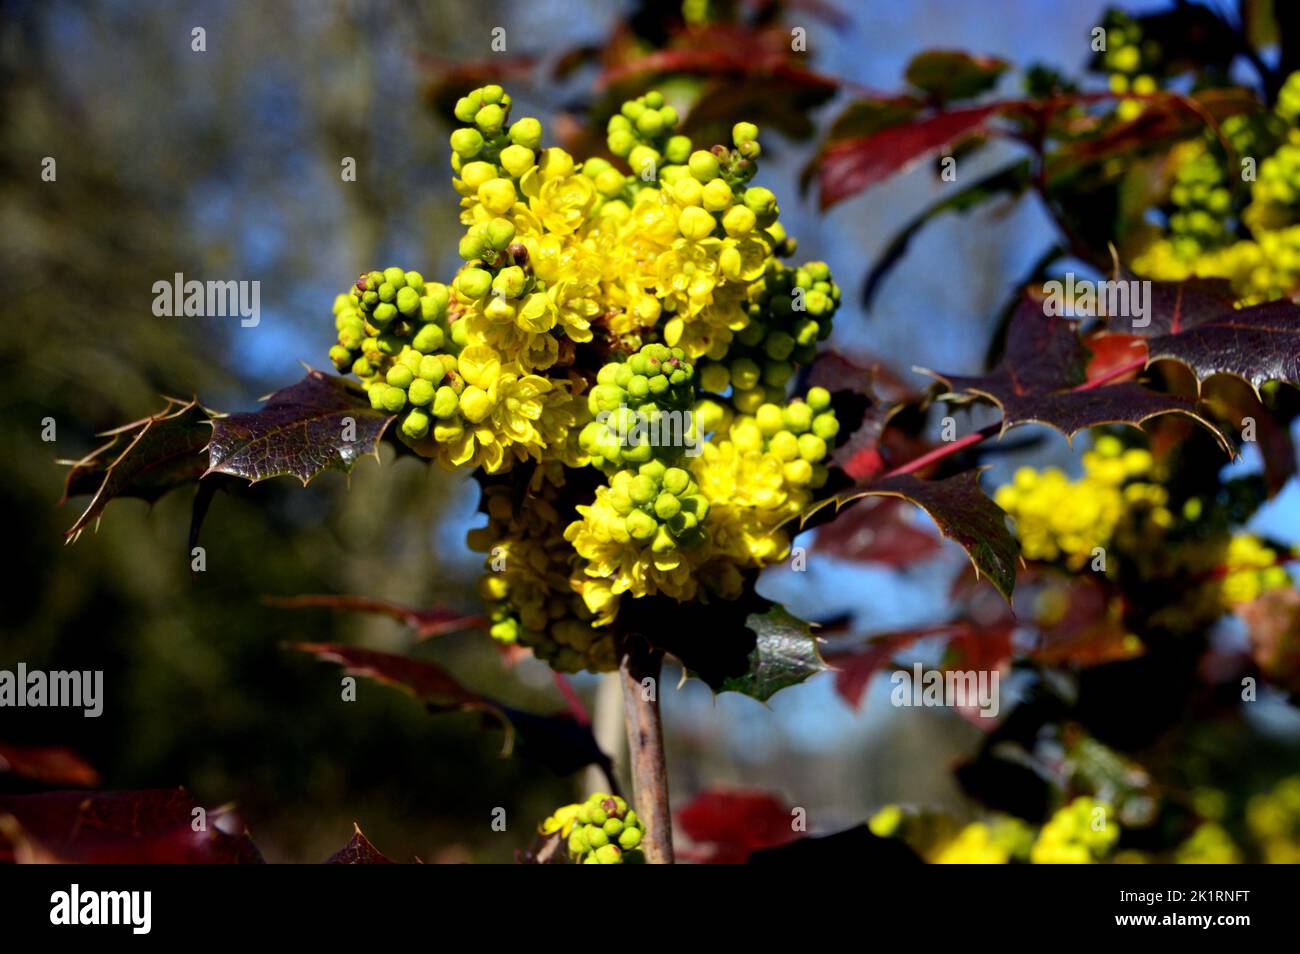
{"x": 1274, "y": 821}
{"x": 1081, "y": 832}
{"x": 1058, "y": 519}
{"x": 1266, "y": 265}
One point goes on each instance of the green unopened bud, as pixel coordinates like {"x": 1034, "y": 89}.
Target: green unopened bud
{"x": 742, "y": 133}
{"x": 798, "y": 417}
{"x": 446, "y": 402}
{"x": 526, "y": 132}
{"x": 428, "y": 339}
{"x": 408, "y": 301}
{"x": 420, "y": 393}
{"x": 475, "y": 404}
{"x": 629, "y": 838}
{"x": 825, "y": 426}
{"x": 678, "y": 149}
{"x": 467, "y": 143}
{"x": 341, "y": 357}
{"x": 399, "y": 376}
{"x": 392, "y": 399}
{"x": 490, "y": 119}
{"x": 474, "y": 282}
{"x": 703, "y": 165}
{"x": 517, "y": 160}
{"x": 608, "y": 855}
{"x": 416, "y": 424}
{"x": 510, "y": 282}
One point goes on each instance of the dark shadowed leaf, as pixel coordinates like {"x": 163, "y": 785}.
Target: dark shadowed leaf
{"x": 946, "y": 75}
{"x": 1258, "y": 344}
{"x": 52, "y": 765}
{"x": 727, "y": 826}
{"x": 962, "y": 513}
{"x": 785, "y": 654}
{"x": 144, "y": 459}
{"x": 320, "y": 423}
{"x": 153, "y": 826}
{"x": 558, "y": 741}
{"x": 427, "y": 623}
{"x": 358, "y": 851}
{"x": 848, "y": 167}
{"x": 877, "y": 531}
{"x": 1042, "y": 379}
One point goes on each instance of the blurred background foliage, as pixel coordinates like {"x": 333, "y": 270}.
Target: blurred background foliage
{"x": 226, "y": 164}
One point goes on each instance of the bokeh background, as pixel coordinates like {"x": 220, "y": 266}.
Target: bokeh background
{"x": 225, "y": 164}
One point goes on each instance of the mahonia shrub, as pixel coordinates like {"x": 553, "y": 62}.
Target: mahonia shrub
{"x": 635, "y": 322}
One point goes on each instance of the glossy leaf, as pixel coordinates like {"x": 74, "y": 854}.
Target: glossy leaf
{"x": 321, "y": 423}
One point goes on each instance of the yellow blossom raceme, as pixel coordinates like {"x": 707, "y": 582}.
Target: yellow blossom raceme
{"x": 1082, "y": 832}
{"x": 1273, "y": 818}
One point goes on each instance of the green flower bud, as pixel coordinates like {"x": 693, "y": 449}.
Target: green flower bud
{"x": 760, "y": 201}
{"x": 608, "y": 855}
{"x": 445, "y": 402}
{"x": 630, "y": 836}
{"x": 490, "y": 119}
{"x": 784, "y": 445}
{"x": 434, "y": 302}
{"x": 811, "y": 448}
{"x": 492, "y": 93}
{"x": 517, "y": 160}
{"x": 819, "y": 399}
{"x": 676, "y": 481}
{"x": 526, "y": 132}
{"x": 744, "y": 374}
{"x": 473, "y": 282}
{"x": 703, "y": 165}
{"x": 769, "y": 419}
{"x": 392, "y": 399}
{"x": 399, "y": 376}
{"x": 510, "y": 282}
{"x": 678, "y": 149}
{"x": 395, "y": 277}
{"x": 466, "y": 107}
{"x": 428, "y": 339}
{"x": 650, "y": 123}
{"x": 408, "y": 301}
{"x": 653, "y": 99}
{"x": 416, "y": 424}
{"x": 341, "y": 357}
{"x": 825, "y": 426}
{"x": 420, "y": 392}
{"x": 467, "y": 143}
{"x": 742, "y": 133}
{"x": 621, "y": 142}
{"x": 640, "y": 525}
{"x": 715, "y": 378}
{"x": 798, "y": 417}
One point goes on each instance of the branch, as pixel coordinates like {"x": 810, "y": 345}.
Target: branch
{"x": 645, "y": 742}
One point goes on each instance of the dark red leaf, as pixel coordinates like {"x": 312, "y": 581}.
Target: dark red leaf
{"x": 153, "y": 826}
{"x": 729, "y": 825}
{"x": 1041, "y": 379}
{"x": 427, "y": 681}
{"x": 320, "y": 423}
{"x": 877, "y": 531}
{"x": 855, "y": 669}
{"x": 144, "y": 459}
{"x": 847, "y": 168}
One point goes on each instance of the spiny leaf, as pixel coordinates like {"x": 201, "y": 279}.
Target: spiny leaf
{"x": 358, "y": 851}
{"x": 144, "y": 459}
{"x": 1257, "y": 344}
{"x": 785, "y": 654}
{"x": 877, "y": 531}
{"x": 953, "y": 74}
{"x": 1041, "y": 379}
{"x": 960, "y": 510}
{"x": 320, "y": 423}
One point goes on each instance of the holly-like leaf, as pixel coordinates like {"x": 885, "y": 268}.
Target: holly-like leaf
{"x": 785, "y": 654}
{"x": 358, "y": 851}
{"x": 848, "y": 167}
{"x": 144, "y": 459}
{"x": 727, "y": 826}
{"x": 558, "y": 741}
{"x": 55, "y": 766}
{"x": 1257, "y": 344}
{"x": 320, "y": 423}
{"x": 946, "y": 75}
{"x": 962, "y": 513}
{"x": 1042, "y": 379}
{"x": 153, "y": 826}
{"x": 427, "y": 623}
